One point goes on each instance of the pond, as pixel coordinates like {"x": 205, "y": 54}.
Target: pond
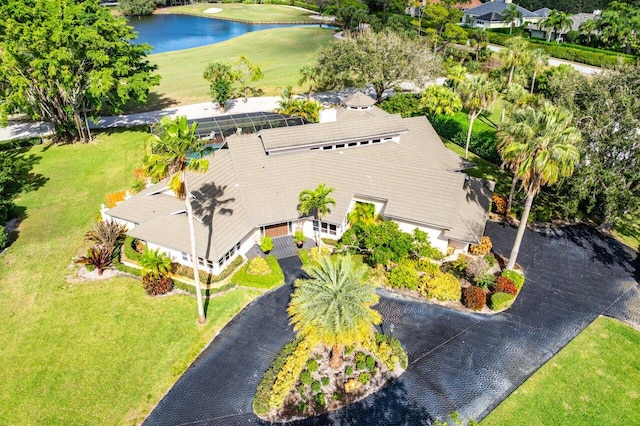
{"x": 167, "y": 33}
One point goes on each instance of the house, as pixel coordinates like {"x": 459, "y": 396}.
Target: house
{"x": 413, "y": 10}
{"x": 577, "y": 20}
{"x": 489, "y": 15}
{"x": 252, "y": 185}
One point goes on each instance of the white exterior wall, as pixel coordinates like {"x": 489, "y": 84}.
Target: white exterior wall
{"x": 436, "y": 236}
{"x": 459, "y": 246}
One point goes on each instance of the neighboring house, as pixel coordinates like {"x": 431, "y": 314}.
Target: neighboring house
{"x": 251, "y": 188}
{"x": 413, "y": 10}
{"x": 577, "y": 19}
{"x": 489, "y": 15}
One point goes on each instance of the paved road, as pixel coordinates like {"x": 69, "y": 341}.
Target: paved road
{"x": 458, "y": 361}
{"x": 584, "y": 69}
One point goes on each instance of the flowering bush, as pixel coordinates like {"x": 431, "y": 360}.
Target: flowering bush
{"x": 498, "y": 203}
{"x": 483, "y": 248}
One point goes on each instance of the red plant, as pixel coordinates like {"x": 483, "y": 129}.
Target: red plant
{"x": 505, "y": 285}
{"x": 98, "y": 257}
{"x": 474, "y": 298}
{"x": 155, "y": 286}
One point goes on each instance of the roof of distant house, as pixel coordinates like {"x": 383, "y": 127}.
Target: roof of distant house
{"x": 490, "y": 17}
{"x": 464, "y": 6}
{"x": 498, "y": 7}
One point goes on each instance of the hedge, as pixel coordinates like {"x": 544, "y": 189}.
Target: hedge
{"x": 500, "y": 301}
{"x": 517, "y": 278}
{"x": 205, "y": 291}
{"x": 268, "y": 281}
{"x": 482, "y": 143}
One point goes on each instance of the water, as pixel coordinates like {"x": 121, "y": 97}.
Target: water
{"x": 167, "y": 33}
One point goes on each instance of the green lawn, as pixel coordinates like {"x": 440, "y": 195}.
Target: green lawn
{"x": 279, "y": 52}
{"x": 592, "y": 381}
{"x": 89, "y": 352}
{"x": 485, "y": 170}
{"x": 263, "y": 13}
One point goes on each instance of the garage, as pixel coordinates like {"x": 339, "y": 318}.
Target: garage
{"x": 277, "y": 230}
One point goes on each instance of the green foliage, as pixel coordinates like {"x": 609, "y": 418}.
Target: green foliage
{"x": 298, "y": 237}
{"x": 16, "y": 177}
{"x": 316, "y": 201}
{"x": 454, "y": 128}
{"x": 312, "y": 365}
{"x": 261, "y": 398}
{"x": 405, "y": 104}
{"x": 325, "y": 381}
{"x": 266, "y": 244}
{"x": 422, "y": 246}
{"x": 4, "y": 237}
{"x": 442, "y": 287}
{"x": 304, "y": 108}
{"x": 484, "y": 281}
{"x": 440, "y": 100}
{"x": 404, "y": 275}
{"x": 388, "y": 350}
{"x": 267, "y": 281}
{"x": 456, "y": 267}
{"x": 304, "y": 257}
{"x": 289, "y": 373}
{"x": 258, "y": 266}
{"x": 97, "y": 257}
{"x": 186, "y": 271}
{"x": 362, "y": 212}
{"x": 348, "y": 371}
{"x": 316, "y": 386}
{"x": 137, "y": 7}
{"x": 331, "y": 242}
{"x": 246, "y": 72}
{"x": 60, "y": 59}
{"x": 500, "y": 301}
{"x": 221, "y": 78}
{"x": 364, "y": 377}
{"x": 517, "y": 278}
{"x": 476, "y": 266}
{"x": 130, "y": 246}
{"x": 370, "y": 362}
{"x": 380, "y": 243}
{"x": 305, "y": 377}
{"x": 107, "y": 234}
{"x": 320, "y": 399}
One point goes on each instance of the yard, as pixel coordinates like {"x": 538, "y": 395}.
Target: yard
{"x": 592, "y": 381}
{"x": 88, "y": 352}
{"x": 263, "y": 13}
{"x": 280, "y": 53}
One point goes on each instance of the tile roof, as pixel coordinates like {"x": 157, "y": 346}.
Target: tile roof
{"x": 359, "y": 100}
{"x": 497, "y": 7}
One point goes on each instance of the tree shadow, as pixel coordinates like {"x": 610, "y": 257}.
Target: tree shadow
{"x": 155, "y": 101}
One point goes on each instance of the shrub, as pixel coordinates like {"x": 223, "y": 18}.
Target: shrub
{"x": 348, "y": 371}
{"x": 428, "y": 267}
{"x": 267, "y": 281}
{"x": 378, "y": 276}
{"x": 443, "y": 287}
{"x": 337, "y": 396}
{"x": 422, "y": 246}
{"x": 304, "y": 257}
{"x": 258, "y": 266}
{"x": 289, "y": 373}
{"x": 131, "y": 248}
{"x": 324, "y": 381}
{"x": 456, "y": 267}
{"x": 305, "y": 377}
{"x": 263, "y": 392}
{"x": 156, "y": 285}
{"x": 312, "y": 365}
{"x": 330, "y": 242}
{"x": 404, "y": 275}
{"x": 303, "y": 407}
{"x": 108, "y": 234}
{"x": 360, "y": 357}
{"x": 505, "y": 285}
{"x": 518, "y": 280}
{"x": 316, "y": 386}
{"x": 187, "y": 272}
{"x": 388, "y": 350}
{"x": 301, "y": 389}
{"x": 97, "y": 257}
{"x": 485, "y": 280}
{"x": 490, "y": 259}
{"x": 364, "y": 378}
{"x": 405, "y": 104}
{"x": 360, "y": 365}
{"x": 500, "y": 301}
{"x": 4, "y": 237}
{"x": 266, "y": 244}
{"x": 483, "y": 248}
{"x": 320, "y": 399}
{"x": 370, "y": 362}
{"x": 473, "y": 298}
{"x": 314, "y": 253}
{"x": 298, "y": 237}
{"x": 476, "y": 267}
{"x": 498, "y": 203}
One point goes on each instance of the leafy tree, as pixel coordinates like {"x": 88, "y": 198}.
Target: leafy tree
{"x": 366, "y": 59}
{"x": 380, "y": 243}
{"x": 173, "y": 151}
{"x": 65, "y": 60}
{"x": 618, "y": 25}
{"x": 440, "y": 100}
{"x": 350, "y": 17}
{"x": 137, "y": 7}
{"x": 606, "y": 184}
{"x": 512, "y": 16}
{"x": 245, "y": 73}
{"x": 316, "y": 201}
{"x": 334, "y": 306}
{"x": 515, "y": 54}
{"x": 405, "y": 104}
{"x": 364, "y": 213}
{"x": 555, "y": 23}
{"x": 544, "y": 143}
{"x": 477, "y": 94}
{"x": 479, "y": 39}
{"x": 221, "y": 77}
{"x": 456, "y": 75}
{"x": 309, "y": 74}
{"x": 304, "y": 108}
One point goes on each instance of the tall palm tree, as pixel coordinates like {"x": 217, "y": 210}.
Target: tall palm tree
{"x": 173, "y": 151}
{"x": 511, "y": 15}
{"x": 334, "y": 305}
{"x": 477, "y": 94}
{"x": 515, "y": 54}
{"x": 362, "y": 213}
{"x": 513, "y": 96}
{"x": 309, "y": 74}
{"x": 539, "y": 61}
{"x": 554, "y": 23}
{"x": 544, "y": 143}
{"x": 316, "y": 201}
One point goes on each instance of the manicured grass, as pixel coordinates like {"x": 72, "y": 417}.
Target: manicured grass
{"x": 280, "y": 53}
{"x": 267, "y": 281}
{"x": 592, "y": 381}
{"x": 88, "y": 352}
{"x": 628, "y": 231}
{"x": 263, "y": 13}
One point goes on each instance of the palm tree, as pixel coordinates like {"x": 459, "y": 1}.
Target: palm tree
{"x": 316, "y": 201}
{"x": 334, "y": 305}
{"x": 513, "y": 95}
{"x": 362, "y": 213}
{"x": 456, "y": 75}
{"x": 173, "y": 151}
{"x": 543, "y": 142}
{"x": 515, "y": 54}
{"x": 539, "y": 60}
{"x": 477, "y": 94}
{"x": 155, "y": 263}
{"x": 304, "y": 108}
{"x": 309, "y": 74}
{"x": 511, "y": 15}
{"x": 555, "y": 22}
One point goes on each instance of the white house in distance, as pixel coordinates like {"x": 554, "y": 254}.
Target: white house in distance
{"x": 489, "y": 15}
{"x": 251, "y": 188}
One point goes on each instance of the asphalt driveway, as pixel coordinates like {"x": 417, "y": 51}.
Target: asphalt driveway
{"x": 457, "y": 361}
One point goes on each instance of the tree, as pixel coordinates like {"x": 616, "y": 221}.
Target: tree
{"x": 440, "y": 100}
{"x": 137, "y": 7}
{"x": 334, "y": 305}
{"x": 479, "y": 39}
{"x": 155, "y": 264}
{"x": 65, "y": 60}
{"x": 539, "y": 61}
{"x": 173, "y": 151}
{"x": 555, "y": 22}
{"x": 477, "y": 94}
{"x": 511, "y": 15}
{"x": 618, "y": 27}
{"x": 221, "y": 77}
{"x": 245, "y": 73}
{"x": 309, "y": 74}
{"x": 304, "y": 108}
{"x": 362, "y": 213}
{"x": 515, "y": 54}
{"x": 316, "y": 201}
{"x": 544, "y": 143}
{"x": 367, "y": 59}
{"x": 15, "y": 177}
{"x": 606, "y": 185}
{"x": 350, "y": 17}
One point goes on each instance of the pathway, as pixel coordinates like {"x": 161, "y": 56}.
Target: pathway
{"x": 458, "y": 361}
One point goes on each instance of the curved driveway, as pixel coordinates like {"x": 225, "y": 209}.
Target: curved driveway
{"x": 457, "y": 361}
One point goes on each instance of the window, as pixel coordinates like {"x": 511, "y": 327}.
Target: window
{"x": 221, "y": 262}
{"x": 326, "y": 148}
{"x": 340, "y": 145}
{"x": 315, "y": 225}
{"x": 364, "y": 143}
{"x": 376, "y": 141}
{"x": 186, "y": 257}
{"x": 353, "y": 144}
{"x": 329, "y": 228}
